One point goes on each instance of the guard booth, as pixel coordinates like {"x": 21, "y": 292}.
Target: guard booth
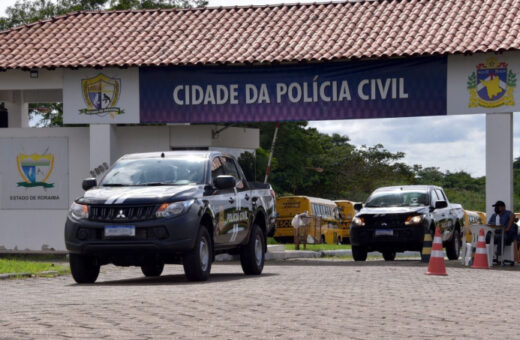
{"x": 138, "y": 81}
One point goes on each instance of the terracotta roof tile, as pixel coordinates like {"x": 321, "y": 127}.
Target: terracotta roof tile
{"x": 264, "y": 34}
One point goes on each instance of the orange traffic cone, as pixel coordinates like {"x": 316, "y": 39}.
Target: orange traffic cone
{"x": 481, "y": 260}
{"x": 437, "y": 265}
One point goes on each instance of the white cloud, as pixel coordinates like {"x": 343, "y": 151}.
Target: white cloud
{"x": 451, "y": 143}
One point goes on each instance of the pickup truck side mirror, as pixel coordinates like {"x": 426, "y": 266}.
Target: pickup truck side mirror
{"x": 441, "y": 204}
{"x": 358, "y": 206}
{"x": 89, "y": 183}
{"x": 224, "y": 182}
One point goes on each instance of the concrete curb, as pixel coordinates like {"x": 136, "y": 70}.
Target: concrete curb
{"x": 26, "y": 275}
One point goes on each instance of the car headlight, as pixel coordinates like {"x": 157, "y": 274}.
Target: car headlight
{"x": 360, "y": 221}
{"x": 174, "y": 209}
{"x": 78, "y": 211}
{"x": 416, "y": 219}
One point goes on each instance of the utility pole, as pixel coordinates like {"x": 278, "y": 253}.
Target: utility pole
{"x": 268, "y": 170}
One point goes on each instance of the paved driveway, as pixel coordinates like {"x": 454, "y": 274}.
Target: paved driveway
{"x": 304, "y": 299}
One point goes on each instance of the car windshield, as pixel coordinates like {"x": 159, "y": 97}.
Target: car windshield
{"x": 397, "y": 199}
{"x": 156, "y": 171}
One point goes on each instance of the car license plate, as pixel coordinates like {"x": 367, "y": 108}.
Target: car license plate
{"x": 119, "y": 230}
{"x": 384, "y": 232}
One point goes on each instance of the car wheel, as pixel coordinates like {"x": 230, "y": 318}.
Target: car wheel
{"x": 359, "y": 253}
{"x": 252, "y": 255}
{"x": 197, "y": 263}
{"x": 84, "y": 268}
{"x": 152, "y": 268}
{"x": 453, "y": 246}
{"x": 389, "y": 255}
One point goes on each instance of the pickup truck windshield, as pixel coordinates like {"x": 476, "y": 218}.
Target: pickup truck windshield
{"x": 156, "y": 171}
{"x": 397, "y": 199}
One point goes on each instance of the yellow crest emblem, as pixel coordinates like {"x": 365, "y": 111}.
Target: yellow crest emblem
{"x": 35, "y": 169}
{"x": 491, "y": 85}
{"x": 101, "y": 94}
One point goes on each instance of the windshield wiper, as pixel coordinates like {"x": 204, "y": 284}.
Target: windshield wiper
{"x": 151, "y": 184}
{"x": 115, "y": 185}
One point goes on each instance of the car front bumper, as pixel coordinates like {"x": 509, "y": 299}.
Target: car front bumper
{"x": 157, "y": 236}
{"x": 400, "y": 238}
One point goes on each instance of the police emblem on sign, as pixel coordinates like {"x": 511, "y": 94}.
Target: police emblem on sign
{"x": 101, "y": 94}
{"x": 35, "y": 169}
{"x": 491, "y": 85}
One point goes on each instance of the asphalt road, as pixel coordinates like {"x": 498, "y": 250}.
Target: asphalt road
{"x": 292, "y": 299}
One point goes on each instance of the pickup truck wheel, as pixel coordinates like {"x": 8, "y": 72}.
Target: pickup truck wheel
{"x": 453, "y": 246}
{"x": 252, "y": 255}
{"x": 84, "y": 269}
{"x": 151, "y": 269}
{"x": 197, "y": 263}
{"x": 359, "y": 253}
{"x": 389, "y": 255}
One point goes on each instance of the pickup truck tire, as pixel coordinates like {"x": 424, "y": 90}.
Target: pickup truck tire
{"x": 197, "y": 263}
{"x": 252, "y": 255}
{"x": 389, "y": 255}
{"x": 359, "y": 253}
{"x": 453, "y": 246}
{"x": 84, "y": 268}
{"x": 151, "y": 269}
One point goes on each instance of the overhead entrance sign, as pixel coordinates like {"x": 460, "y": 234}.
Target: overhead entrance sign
{"x": 321, "y": 91}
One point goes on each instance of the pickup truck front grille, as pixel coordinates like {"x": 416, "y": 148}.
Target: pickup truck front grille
{"x": 106, "y": 213}
{"x": 385, "y": 220}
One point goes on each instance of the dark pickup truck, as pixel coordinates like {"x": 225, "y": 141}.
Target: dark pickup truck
{"x": 176, "y": 207}
{"x": 395, "y": 219}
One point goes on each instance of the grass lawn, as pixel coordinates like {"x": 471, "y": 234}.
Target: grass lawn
{"x": 18, "y": 265}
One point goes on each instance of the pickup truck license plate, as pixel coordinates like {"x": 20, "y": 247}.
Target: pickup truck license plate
{"x": 119, "y": 230}
{"x": 384, "y": 232}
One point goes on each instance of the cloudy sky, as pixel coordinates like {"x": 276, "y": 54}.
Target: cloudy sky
{"x": 452, "y": 143}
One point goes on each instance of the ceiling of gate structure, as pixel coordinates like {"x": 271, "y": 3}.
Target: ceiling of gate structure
{"x": 264, "y": 34}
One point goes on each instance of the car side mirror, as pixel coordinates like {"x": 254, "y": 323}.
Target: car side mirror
{"x": 358, "y": 206}
{"x": 224, "y": 182}
{"x": 441, "y": 204}
{"x": 88, "y": 183}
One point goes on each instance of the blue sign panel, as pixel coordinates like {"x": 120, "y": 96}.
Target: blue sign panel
{"x": 319, "y": 91}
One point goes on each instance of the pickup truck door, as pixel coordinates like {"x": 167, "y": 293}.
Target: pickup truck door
{"x": 224, "y": 206}
{"x": 441, "y": 216}
{"x": 242, "y": 211}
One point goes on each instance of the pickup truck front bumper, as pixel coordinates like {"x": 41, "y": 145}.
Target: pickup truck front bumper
{"x": 399, "y": 239}
{"x": 164, "y": 237}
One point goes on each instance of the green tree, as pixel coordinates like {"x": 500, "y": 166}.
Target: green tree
{"x": 46, "y": 115}
{"x": 27, "y": 11}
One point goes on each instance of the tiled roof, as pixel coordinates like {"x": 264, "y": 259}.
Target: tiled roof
{"x": 264, "y": 34}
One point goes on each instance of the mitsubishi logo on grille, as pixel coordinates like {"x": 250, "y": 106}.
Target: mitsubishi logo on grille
{"x": 384, "y": 224}
{"x": 120, "y": 214}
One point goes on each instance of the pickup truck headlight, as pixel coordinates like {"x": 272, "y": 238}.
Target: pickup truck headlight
{"x": 174, "y": 209}
{"x": 360, "y": 221}
{"x": 78, "y": 211}
{"x": 412, "y": 220}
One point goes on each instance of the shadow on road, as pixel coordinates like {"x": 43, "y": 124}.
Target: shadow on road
{"x": 350, "y": 263}
{"x": 178, "y": 279}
